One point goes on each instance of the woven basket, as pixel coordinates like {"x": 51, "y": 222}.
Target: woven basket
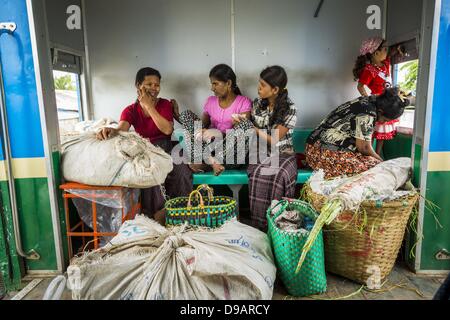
{"x": 287, "y": 247}
{"x": 363, "y": 246}
{"x": 194, "y": 211}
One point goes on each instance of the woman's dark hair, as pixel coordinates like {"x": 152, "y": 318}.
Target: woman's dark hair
{"x": 361, "y": 62}
{"x": 276, "y": 76}
{"x": 390, "y": 104}
{"x": 224, "y": 73}
{"x": 145, "y": 72}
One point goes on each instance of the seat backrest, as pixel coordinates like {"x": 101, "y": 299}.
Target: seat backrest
{"x": 178, "y": 135}
{"x": 299, "y": 137}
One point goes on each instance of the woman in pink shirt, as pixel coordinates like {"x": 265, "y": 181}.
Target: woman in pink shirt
{"x": 218, "y": 117}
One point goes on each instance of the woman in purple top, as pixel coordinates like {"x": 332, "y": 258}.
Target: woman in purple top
{"x": 218, "y": 118}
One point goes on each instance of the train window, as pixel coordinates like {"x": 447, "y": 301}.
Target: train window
{"x": 66, "y": 75}
{"x": 405, "y": 76}
{"x": 405, "y": 73}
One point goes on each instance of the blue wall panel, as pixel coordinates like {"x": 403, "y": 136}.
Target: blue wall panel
{"x": 440, "y": 125}
{"x": 20, "y": 84}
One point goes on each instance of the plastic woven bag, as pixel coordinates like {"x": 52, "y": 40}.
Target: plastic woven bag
{"x": 287, "y": 248}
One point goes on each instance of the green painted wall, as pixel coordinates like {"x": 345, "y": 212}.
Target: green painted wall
{"x": 401, "y": 146}
{"x": 398, "y": 147}
{"x": 436, "y": 238}
{"x": 56, "y": 156}
{"x": 36, "y": 222}
{"x": 417, "y": 165}
{"x": 11, "y": 265}
{"x": 36, "y": 219}
{"x": 36, "y": 227}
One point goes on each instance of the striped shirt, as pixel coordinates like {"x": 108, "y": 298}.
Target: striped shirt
{"x": 261, "y": 119}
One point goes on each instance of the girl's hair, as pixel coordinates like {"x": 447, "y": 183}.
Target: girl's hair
{"x": 361, "y": 62}
{"x": 390, "y": 104}
{"x": 144, "y": 72}
{"x": 276, "y": 76}
{"x": 224, "y": 73}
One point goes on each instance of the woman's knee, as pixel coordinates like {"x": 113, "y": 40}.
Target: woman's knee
{"x": 180, "y": 172}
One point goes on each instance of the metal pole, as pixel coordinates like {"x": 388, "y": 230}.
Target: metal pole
{"x": 233, "y": 36}
{"x": 33, "y": 255}
{"x": 319, "y": 7}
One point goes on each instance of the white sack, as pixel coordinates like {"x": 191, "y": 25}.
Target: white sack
{"x": 379, "y": 183}
{"x": 127, "y": 160}
{"x": 149, "y": 262}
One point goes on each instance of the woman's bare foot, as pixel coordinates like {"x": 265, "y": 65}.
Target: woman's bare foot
{"x": 198, "y": 168}
{"x": 218, "y": 169}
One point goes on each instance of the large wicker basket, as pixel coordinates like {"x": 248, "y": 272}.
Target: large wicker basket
{"x": 363, "y": 246}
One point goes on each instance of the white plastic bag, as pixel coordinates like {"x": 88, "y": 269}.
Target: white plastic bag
{"x": 382, "y": 182}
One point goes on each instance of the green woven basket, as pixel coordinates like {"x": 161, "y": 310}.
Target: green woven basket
{"x": 194, "y": 211}
{"x": 287, "y": 247}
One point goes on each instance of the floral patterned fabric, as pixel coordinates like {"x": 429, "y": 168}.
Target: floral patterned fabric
{"x": 350, "y": 121}
{"x": 338, "y": 163}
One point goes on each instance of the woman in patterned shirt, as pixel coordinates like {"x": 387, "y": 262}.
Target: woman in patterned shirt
{"x": 342, "y": 143}
{"x": 273, "y": 174}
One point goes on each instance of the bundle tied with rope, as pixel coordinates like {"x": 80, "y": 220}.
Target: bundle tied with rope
{"x": 379, "y": 185}
{"x": 147, "y": 261}
{"x": 126, "y": 160}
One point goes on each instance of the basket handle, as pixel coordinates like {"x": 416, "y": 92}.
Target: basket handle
{"x": 208, "y": 189}
{"x": 284, "y": 203}
{"x": 195, "y": 192}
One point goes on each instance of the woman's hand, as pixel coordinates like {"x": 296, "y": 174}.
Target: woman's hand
{"x": 207, "y": 135}
{"x": 146, "y": 99}
{"x": 238, "y": 118}
{"x": 366, "y": 149}
{"x": 107, "y": 133}
{"x": 362, "y": 90}
{"x": 401, "y": 50}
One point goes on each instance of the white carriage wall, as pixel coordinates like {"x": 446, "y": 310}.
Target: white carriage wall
{"x": 184, "y": 39}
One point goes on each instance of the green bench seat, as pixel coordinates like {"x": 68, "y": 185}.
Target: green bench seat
{"x": 230, "y": 177}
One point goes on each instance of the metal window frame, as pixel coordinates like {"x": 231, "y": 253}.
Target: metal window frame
{"x": 78, "y": 70}
{"x": 40, "y": 51}
{"x": 428, "y": 118}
